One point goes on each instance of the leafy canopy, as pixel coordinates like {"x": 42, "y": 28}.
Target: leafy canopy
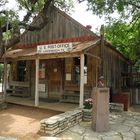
{"x": 10, "y": 23}
{"x": 125, "y": 37}
{"x": 125, "y": 8}
{"x": 124, "y": 31}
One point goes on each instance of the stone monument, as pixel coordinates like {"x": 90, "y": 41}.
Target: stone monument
{"x": 100, "y": 113}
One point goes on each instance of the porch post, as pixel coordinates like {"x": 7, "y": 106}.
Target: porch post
{"x": 5, "y": 80}
{"x": 37, "y": 82}
{"x": 81, "y": 81}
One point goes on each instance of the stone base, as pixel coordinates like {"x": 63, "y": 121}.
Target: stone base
{"x": 117, "y": 107}
{"x": 59, "y": 123}
{"x": 87, "y": 114}
{"x": 53, "y": 138}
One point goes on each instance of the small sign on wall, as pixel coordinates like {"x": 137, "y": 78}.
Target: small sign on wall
{"x": 42, "y": 73}
{"x": 85, "y": 79}
{"x": 41, "y": 87}
{"x": 68, "y": 76}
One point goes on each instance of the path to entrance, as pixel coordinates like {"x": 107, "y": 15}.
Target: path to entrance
{"x": 22, "y": 122}
{"x": 123, "y": 126}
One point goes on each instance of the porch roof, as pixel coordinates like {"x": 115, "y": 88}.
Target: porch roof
{"x": 31, "y": 53}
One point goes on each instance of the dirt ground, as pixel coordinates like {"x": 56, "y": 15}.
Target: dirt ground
{"x": 22, "y": 122}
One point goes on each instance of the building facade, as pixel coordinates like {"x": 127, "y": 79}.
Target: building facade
{"x": 63, "y": 61}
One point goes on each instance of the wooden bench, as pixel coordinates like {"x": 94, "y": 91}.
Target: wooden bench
{"x": 73, "y": 97}
{"x": 70, "y": 97}
{"x": 71, "y": 93}
{"x": 17, "y": 88}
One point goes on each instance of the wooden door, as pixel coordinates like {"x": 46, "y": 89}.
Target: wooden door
{"x": 54, "y": 70}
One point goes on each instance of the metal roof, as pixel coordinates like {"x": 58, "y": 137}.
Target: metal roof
{"x": 31, "y": 52}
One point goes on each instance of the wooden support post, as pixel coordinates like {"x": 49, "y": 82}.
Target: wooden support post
{"x": 96, "y": 72}
{"x": 5, "y": 79}
{"x": 5, "y": 62}
{"x": 37, "y": 82}
{"x": 81, "y": 81}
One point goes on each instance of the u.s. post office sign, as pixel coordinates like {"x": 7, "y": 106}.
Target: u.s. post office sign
{"x": 54, "y": 48}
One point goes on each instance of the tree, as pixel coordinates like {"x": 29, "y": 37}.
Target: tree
{"x": 10, "y": 24}
{"x": 126, "y": 9}
{"x": 125, "y": 38}
{"x": 124, "y": 31}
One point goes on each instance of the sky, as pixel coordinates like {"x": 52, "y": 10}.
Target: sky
{"x": 86, "y": 17}
{"x": 80, "y": 14}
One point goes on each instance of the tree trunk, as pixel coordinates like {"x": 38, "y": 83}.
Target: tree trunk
{"x": 1, "y": 43}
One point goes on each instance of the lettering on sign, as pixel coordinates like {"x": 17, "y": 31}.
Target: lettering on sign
{"x": 41, "y": 87}
{"x": 103, "y": 90}
{"x": 68, "y": 76}
{"x": 54, "y": 48}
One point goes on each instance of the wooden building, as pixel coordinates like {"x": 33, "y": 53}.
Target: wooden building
{"x": 63, "y": 61}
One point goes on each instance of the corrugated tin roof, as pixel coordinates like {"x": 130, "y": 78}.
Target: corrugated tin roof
{"x": 20, "y": 53}
{"x": 77, "y": 47}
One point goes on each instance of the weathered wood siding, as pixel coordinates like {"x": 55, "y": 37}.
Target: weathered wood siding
{"x": 59, "y": 26}
{"x": 114, "y": 65}
{"x": 94, "y": 66}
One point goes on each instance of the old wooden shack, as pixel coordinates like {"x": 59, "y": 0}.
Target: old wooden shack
{"x": 63, "y": 61}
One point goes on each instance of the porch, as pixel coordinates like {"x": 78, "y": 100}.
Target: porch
{"x": 51, "y": 105}
{"x": 47, "y": 75}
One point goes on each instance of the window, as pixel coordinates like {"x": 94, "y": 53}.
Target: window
{"x": 21, "y": 70}
{"x": 77, "y": 70}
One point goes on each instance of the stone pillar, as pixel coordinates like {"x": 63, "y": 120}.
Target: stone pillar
{"x": 100, "y": 114}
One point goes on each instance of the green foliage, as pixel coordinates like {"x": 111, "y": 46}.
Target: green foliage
{"x": 39, "y": 5}
{"x": 125, "y": 38}
{"x": 30, "y": 6}
{"x": 9, "y": 18}
{"x": 88, "y": 103}
{"x": 126, "y": 8}
{"x": 65, "y": 5}
{"x": 123, "y": 32}
{"x": 137, "y": 65}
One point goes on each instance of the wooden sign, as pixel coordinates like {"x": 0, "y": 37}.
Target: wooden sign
{"x": 54, "y": 48}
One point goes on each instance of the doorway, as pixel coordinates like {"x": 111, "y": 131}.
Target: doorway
{"x": 54, "y": 75}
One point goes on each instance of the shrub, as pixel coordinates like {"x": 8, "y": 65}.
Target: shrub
{"x": 88, "y": 103}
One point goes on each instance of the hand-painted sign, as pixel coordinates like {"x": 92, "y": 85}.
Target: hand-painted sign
{"x": 54, "y": 48}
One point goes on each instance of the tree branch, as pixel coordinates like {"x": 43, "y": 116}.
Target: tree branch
{"x": 46, "y": 5}
{"x": 3, "y": 12}
{"x": 36, "y": 27}
{"x": 29, "y": 13}
{"x": 16, "y": 38}
{"x": 130, "y": 3}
